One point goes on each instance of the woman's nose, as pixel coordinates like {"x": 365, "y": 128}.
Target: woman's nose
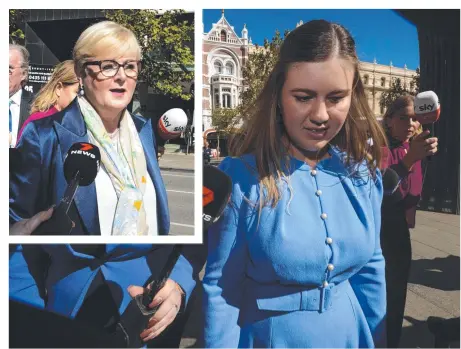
{"x": 319, "y": 114}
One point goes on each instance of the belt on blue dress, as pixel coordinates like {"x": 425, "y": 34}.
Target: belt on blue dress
{"x": 316, "y": 299}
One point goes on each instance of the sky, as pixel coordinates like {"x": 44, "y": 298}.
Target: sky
{"x": 380, "y": 34}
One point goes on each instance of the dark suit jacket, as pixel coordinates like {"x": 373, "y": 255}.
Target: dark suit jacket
{"x": 39, "y": 182}
{"x": 24, "y": 108}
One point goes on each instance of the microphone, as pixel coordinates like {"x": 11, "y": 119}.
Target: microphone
{"x": 80, "y": 169}
{"x": 172, "y": 123}
{"x": 427, "y": 107}
{"x": 391, "y": 181}
{"x": 217, "y": 189}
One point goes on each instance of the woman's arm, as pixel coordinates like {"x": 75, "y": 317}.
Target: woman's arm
{"x": 369, "y": 283}
{"x": 225, "y": 270}
{"x": 25, "y": 181}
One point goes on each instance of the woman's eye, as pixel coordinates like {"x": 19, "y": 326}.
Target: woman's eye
{"x": 335, "y": 99}
{"x": 303, "y": 99}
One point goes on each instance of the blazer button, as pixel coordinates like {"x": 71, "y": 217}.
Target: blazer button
{"x": 330, "y": 267}
{"x": 324, "y": 216}
{"x": 329, "y": 241}
{"x": 318, "y": 192}
{"x": 325, "y": 284}
{"x": 314, "y": 172}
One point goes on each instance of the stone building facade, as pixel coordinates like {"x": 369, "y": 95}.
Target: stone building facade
{"x": 225, "y": 53}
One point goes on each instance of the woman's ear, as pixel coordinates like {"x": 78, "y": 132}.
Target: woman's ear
{"x": 58, "y": 89}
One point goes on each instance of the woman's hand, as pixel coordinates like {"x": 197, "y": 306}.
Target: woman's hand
{"x": 27, "y": 226}
{"x": 420, "y": 147}
{"x": 170, "y": 298}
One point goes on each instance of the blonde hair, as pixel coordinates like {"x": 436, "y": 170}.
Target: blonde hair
{"x": 315, "y": 41}
{"x": 46, "y": 98}
{"x": 103, "y": 38}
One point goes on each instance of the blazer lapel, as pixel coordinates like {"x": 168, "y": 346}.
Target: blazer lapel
{"x": 146, "y": 135}
{"x": 72, "y": 130}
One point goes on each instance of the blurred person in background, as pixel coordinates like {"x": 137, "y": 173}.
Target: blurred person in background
{"x": 408, "y": 145}
{"x": 55, "y": 95}
{"x": 19, "y": 97}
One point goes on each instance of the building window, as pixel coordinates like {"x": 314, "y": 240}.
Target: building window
{"x": 216, "y": 100}
{"x": 223, "y": 35}
{"x": 229, "y": 68}
{"x": 218, "y": 67}
{"x": 365, "y": 79}
{"x": 226, "y": 100}
{"x": 383, "y": 82}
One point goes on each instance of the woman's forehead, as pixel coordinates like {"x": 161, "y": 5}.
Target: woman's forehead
{"x": 332, "y": 74}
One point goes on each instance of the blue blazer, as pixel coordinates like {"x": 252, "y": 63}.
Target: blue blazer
{"x": 308, "y": 273}
{"x": 57, "y": 277}
{"x": 40, "y": 181}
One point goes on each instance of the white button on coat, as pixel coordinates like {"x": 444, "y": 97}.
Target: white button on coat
{"x": 329, "y": 241}
{"x": 325, "y": 284}
{"x": 324, "y": 216}
{"x": 331, "y": 267}
{"x": 314, "y": 172}
{"x": 318, "y": 192}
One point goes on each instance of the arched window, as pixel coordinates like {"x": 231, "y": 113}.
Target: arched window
{"x": 229, "y": 68}
{"x": 218, "y": 67}
{"x": 365, "y": 79}
{"x": 223, "y": 35}
{"x": 383, "y": 82}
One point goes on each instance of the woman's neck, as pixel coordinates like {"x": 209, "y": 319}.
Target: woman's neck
{"x": 109, "y": 118}
{"x": 310, "y": 157}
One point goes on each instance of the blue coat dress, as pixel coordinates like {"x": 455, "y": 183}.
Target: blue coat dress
{"x": 40, "y": 182}
{"x": 307, "y": 273}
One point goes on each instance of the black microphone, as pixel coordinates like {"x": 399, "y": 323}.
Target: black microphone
{"x": 80, "y": 169}
{"x": 217, "y": 189}
{"x": 391, "y": 181}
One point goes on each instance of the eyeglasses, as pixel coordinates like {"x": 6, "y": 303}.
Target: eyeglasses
{"x": 110, "y": 68}
{"x": 12, "y": 68}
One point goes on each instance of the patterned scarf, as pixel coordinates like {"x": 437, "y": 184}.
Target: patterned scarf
{"x": 125, "y": 164}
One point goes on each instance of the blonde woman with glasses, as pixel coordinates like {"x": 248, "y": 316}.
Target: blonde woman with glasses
{"x": 96, "y": 283}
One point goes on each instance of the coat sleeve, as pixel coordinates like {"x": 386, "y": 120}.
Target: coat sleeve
{"x": 187, "y": 268}
{"x": 225, "y": 270}
{"x": 369, "y": 283}
{"x": 25, "y": 181}
{"x": 27, "y": 270}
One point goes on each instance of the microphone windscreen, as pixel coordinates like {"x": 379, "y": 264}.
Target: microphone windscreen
{"x": 172, "y": 123}
{"x": 427, "y": 107}
{"x": 85, "y": 158}
{"x": 391, "y": 181}
{"x": 217, "y": 188}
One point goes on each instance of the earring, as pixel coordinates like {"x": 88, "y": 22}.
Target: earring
{"x": 81, "y": 91}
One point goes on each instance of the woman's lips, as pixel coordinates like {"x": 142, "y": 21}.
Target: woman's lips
{"x": 118, "y": 91}
{"x": 316, "y": 133}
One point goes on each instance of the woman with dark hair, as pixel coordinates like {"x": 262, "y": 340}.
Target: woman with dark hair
{"x": 407, "y": 147}
{"x": 295, "y": 260}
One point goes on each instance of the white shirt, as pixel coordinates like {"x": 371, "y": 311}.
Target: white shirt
{"x": 107, "y": 203}
{"x": 15, "y": 108}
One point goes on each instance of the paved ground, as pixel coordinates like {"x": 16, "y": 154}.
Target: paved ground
{"x": 180, "y": 190}
{"x": 180, "y": 161}
{"x": 434, "y": 287}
